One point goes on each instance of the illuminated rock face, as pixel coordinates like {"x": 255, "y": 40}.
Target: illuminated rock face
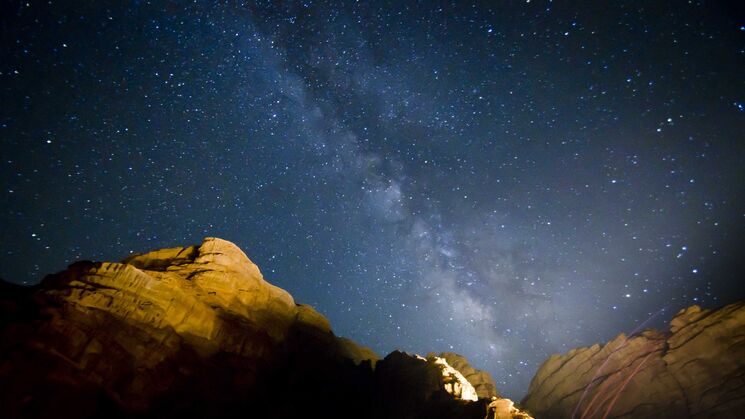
{"x": 453, "y": 381}
{"x": 505, "y": 409}
{"x": 423, "y": 378}
{"x": 407, "y": 382}
{"x": 203, "y": 294}
{"x": 196, "y": 331}
{"x": 480, "y": 380}
{"x": 695, "y": 370}
{"x": 160, "y": 331}
{"x": 194, "y": 291}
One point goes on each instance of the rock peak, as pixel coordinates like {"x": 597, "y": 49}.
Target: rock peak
{"x": 211, "y": 250}
{"x": 197, "y": 329}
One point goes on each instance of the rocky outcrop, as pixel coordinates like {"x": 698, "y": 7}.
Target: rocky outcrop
{"x": 505, "y": 409}
{"x": 696, "y": 370}
{"x": 424, "y": 378}
{"x": 139, "y": 335}
{"x": 196, "y": 331}
{"x": 408, "y": 382}
{"x": 481, "y": 380}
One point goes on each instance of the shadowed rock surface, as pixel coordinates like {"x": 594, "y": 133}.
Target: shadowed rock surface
{"x": 696, "y": 370}
{"x": 197, "y": 332}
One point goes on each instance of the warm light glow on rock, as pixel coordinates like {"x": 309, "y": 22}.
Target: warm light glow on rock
{"x": 505, "y": 409}
{"x": 454, "y": 382}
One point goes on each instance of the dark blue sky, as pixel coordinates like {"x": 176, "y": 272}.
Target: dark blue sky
{"x": 501, "y": 181}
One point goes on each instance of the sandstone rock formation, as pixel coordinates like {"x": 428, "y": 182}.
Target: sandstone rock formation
{"x": 407, "y": 382}
{"x": 424, "y": 378}
{"x": 196, "y": 331}
{"x": 696, "y": 370}
{"x": 144, "y": 333}
{"x": 505, "y": 409}
{"x": 481, "y": 380}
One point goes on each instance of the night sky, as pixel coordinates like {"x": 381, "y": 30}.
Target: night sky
{"x": 503, "y": 181}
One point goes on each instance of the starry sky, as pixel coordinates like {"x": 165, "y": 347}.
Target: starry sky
{"x": 505, "y": 180}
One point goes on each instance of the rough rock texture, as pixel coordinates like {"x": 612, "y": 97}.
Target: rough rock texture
{"x": 415, "y": 386}
{"x": 481, "y": 380}
{"x": 197, "y": 332}
{"x": 424, "y": 378}
{"x": 697, "y": 370}
{"x": 505, "y": 409}
{"x": 144, "y": 333}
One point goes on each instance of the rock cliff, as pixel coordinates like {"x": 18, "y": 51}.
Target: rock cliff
{"x": 696, "y": 370}
{"x": 196, "y": 331}
{"x": 481, "y": 380}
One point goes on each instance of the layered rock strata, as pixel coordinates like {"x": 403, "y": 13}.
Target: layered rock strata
{"x": 196, "y": 331}
{"x": 696, "y": 370}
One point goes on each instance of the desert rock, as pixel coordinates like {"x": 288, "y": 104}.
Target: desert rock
{"x": 196, "y": 331}
{"x": 695, "y": 370}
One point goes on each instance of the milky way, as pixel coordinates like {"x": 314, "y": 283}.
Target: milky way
{"x": 505, "y": 182}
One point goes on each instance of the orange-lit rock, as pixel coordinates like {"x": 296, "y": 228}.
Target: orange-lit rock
{"x": 155, "y": 327}
{"x": 196, "y": 331}
{"x": 481, "y": 380}
{"x": 204, "y": 294}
